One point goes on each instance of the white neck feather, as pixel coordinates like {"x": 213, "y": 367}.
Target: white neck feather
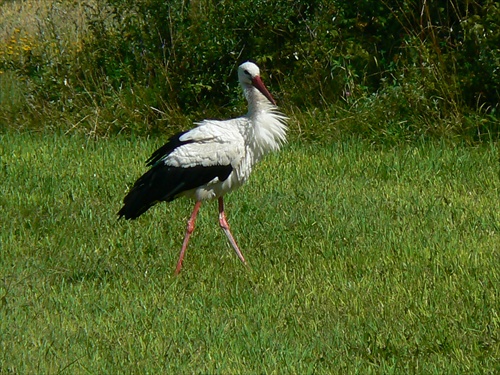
{"x": 268, "y": 125}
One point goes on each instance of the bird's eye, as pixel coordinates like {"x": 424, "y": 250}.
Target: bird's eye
{"x": 246, "y": 72}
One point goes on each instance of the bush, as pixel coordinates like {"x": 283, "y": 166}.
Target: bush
{"x": 143, "y": 65}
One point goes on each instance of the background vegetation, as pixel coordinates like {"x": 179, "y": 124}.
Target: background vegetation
{"x": 394, "y": 69}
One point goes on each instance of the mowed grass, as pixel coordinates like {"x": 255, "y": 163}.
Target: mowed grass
{"x": 363, "y": 259}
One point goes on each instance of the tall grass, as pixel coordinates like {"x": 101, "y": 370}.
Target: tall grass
{"x": 363, "y": 259}
{"x": 390, "y": 70}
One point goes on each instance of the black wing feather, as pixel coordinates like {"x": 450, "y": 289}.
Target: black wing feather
{"x": 164, "y": 183}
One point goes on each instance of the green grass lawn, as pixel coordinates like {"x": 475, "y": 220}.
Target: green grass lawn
{"x": 363, "y": 259}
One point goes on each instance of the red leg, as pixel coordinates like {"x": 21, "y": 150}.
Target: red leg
{"x": 225, "y": 227}
{"x": 189, "y": 230}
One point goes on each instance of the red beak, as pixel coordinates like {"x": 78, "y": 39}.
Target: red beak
{"x": 259, "y": 85}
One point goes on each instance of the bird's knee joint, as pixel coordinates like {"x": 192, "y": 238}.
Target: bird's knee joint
{"x": 223, "y": 224}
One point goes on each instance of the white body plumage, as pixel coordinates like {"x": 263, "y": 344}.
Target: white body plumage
{"x": 240, "y": 142}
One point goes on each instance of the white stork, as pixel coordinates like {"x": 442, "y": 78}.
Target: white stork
{"x": 212, "y": 159}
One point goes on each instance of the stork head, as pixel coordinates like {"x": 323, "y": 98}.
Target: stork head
{"x": 249, "y": 75}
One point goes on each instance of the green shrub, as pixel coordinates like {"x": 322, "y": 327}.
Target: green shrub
{"x": 141, "y": 66}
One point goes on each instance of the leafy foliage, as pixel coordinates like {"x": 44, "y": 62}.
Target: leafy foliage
{"x": 140, "y": 65}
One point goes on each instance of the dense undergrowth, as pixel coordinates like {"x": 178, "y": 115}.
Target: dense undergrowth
{"x": 385, "y": 70}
